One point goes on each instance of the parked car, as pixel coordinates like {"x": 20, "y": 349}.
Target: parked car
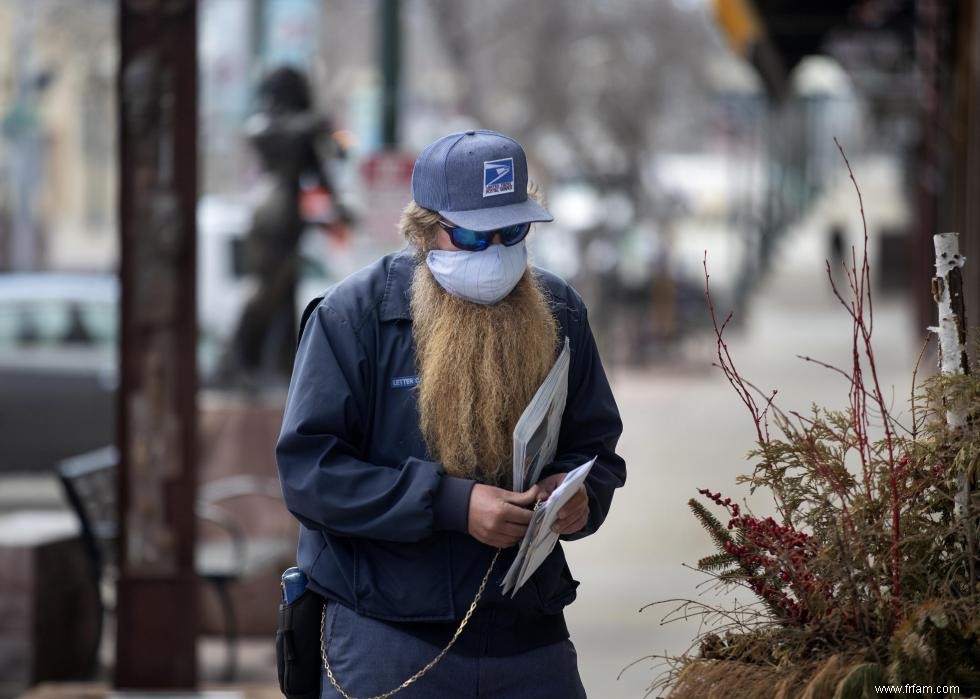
{"x": 58, "y": 366}
{"x": 59, "y": 340}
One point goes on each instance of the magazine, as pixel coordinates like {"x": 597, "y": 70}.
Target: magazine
{"x": 536, "y": 433}
{"x": 539, "y": 540}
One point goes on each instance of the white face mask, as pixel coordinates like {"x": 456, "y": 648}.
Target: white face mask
{"x": 484, "y": 277}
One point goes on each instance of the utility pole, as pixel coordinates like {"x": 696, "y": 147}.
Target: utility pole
{"x": 390, "y": 58}
{"x": 157, "y": 602}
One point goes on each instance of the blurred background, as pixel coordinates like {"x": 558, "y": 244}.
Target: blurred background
{"x": 178, "y": 179}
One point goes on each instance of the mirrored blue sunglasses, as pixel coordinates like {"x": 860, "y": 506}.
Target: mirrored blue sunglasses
{"x": 475, "y": 241}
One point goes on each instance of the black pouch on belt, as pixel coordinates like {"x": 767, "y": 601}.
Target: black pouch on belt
{"x": 298, "y": 646}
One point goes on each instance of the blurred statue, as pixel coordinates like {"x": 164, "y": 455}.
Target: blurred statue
{"x": 292, "y": 142}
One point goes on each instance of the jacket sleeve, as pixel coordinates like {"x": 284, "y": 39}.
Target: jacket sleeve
{"x": 591, "y": 425}
{"x": 325, "y": 483}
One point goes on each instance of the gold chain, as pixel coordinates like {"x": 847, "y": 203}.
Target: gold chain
{"x": 417, "y": 675}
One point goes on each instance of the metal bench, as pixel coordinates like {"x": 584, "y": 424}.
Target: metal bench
{"x": 89, "y": 482}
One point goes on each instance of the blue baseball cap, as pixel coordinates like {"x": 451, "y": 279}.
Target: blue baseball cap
{"x": 476, "y": 180}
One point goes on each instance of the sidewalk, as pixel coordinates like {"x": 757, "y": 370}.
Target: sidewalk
{"x": 101, "y": 691}
{"x": 256, "y": 677}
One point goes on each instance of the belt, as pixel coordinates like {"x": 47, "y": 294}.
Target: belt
{"x": 492, "y": 632}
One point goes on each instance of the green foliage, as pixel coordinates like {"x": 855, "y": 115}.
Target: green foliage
{"x": 711, "y": 524}
{"x": 872, "y": 568}
{"x": 842, "y": 497}
{"x": 721, "y": 563}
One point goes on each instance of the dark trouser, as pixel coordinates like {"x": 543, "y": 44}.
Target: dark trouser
{"x": 369, "y": 657}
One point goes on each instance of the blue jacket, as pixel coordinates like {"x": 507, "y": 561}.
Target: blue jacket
{"x": 383, "y": 527}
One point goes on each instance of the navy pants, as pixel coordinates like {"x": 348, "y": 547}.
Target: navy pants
{"x": 369, "y": 657}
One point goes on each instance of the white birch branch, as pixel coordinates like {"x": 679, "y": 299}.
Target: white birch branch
{"x": 952, "y": 337}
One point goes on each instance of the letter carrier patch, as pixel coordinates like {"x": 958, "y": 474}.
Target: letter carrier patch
{"x": 404, "y": 382}
{"x": 498, "y": 177}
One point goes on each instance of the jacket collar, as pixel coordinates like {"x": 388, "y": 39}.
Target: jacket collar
{"x": 396, "y": 299}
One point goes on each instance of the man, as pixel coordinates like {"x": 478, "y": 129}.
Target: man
{"x": 395, "y": 450}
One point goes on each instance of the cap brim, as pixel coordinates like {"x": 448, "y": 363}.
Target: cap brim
{"x": 490, "y": 219}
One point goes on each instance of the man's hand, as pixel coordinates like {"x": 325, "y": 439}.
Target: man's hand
{"x": 575, "y": 514}
{"x": 499, "y": 517}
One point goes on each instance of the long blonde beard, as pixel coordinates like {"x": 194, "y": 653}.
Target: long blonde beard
{"x": 478, "y": 366}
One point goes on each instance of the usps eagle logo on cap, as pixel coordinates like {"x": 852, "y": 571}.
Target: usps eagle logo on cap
{"x": 498, "y": 177}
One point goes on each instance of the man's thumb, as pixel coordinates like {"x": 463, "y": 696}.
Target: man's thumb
{"x": 528, "y": 497}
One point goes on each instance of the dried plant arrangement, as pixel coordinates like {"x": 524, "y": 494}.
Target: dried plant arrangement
{"x": 868, "y": 573}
